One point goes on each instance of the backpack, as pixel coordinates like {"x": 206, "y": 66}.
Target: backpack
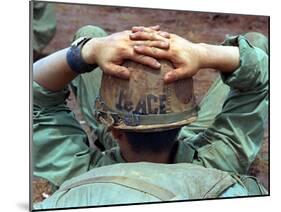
{"x": 130, "y": 183}
{"x": 252, "y": 184}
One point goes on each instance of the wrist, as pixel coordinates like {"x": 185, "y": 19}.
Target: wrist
{"x": 205, "y": 54}
{"x": 223, "y": 58}
{"x": 75, "y": 59}
{"x": 89, "y": 51}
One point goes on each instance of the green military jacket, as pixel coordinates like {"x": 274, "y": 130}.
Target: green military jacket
{"x": 143, "y": 182}
{"x": 61, "y": 151}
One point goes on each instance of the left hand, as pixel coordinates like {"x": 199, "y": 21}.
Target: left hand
{"x": 111, "y": 51}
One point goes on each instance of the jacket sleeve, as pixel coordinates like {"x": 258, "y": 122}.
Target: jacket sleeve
{"x": 235, "y": 137}
{"x": 60, "y": 148}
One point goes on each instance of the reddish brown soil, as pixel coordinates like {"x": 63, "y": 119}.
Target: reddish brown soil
{"x": 195, "y": 26}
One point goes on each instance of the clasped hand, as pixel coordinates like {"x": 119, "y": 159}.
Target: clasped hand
{"x": 144, "y": 45}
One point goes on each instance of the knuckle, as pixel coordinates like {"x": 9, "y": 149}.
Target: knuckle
{"x": 138, "y": 57}
{"x": 174, "y": 53}
{"x": 153, "y": 36}
{"x": 156, "y": 43}
{"x": 154, "y": 50}
{"x": 142, "y": 49}
{"x": 147, "y": 60}
{"x": 139, "y": 43}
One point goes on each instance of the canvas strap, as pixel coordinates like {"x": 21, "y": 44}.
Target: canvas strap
{"x": 137, "y": 184}
{"x": 224, "y": 182}
{"x": 252, "y": 184}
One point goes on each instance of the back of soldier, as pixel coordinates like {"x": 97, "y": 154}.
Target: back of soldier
{"x": 129, "y": 183}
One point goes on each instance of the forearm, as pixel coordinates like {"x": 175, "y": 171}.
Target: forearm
{"x": 222, "y": 58}
{"x": 53, "y": 72}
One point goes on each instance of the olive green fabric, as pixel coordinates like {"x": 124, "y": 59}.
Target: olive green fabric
{"x": 128, "y": 183}
{"x": 87, "y": 85}
{"x": 258, "y": 40}
{"x": 43, "y": 24}
{"x": 227, "y": 134}
{"x": 253, "y": 185}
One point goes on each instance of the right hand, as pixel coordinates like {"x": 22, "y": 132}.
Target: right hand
{"x": 111, "y": 51}
{"x": 188, "y": 58}
{"x": 185, "y": 55}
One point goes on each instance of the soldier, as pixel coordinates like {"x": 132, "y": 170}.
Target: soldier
{"x": 43, "y": 26}
{"x": 151, "y": 113}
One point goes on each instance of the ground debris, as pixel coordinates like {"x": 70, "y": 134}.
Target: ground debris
{"x": 41, "y": 189}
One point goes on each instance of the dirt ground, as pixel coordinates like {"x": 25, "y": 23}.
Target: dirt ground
{"x": 195, "y": 26}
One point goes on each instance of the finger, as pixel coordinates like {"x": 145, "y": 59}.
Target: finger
{"x": 152, "y": 52}
{"x": 137, "y": 28}
{"x": 155, "y": 28}
{"x": 147, "y": 36}
{"x": 157, "y": 44}
{"x": 176, "y": 74}
{"x": 117, "y": 70}
{"x": 151, "y": 29}
{"x": 164, "y": 34}
{"x": 145, "y": 29}
{"x": 145, "y": 60}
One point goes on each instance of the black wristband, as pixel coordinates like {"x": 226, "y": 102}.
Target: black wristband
{"x": 75, "y": 60}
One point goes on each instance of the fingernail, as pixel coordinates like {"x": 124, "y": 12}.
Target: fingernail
{"x": 164, "y": 44}
{"x": 165, "y": 34}
{"x": 157, "y": 65}
{"x": 156, "y": 27}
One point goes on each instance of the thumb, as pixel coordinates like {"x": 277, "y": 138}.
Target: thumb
{"x": 117, "y": 70}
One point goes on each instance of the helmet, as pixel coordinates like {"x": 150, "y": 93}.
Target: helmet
{"x": 144, "y": 103}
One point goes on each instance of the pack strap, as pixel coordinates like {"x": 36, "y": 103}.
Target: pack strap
{"x": 137, "y": 184}
{"x": 224, "y": 182}
{"x": 252, "y": 184}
